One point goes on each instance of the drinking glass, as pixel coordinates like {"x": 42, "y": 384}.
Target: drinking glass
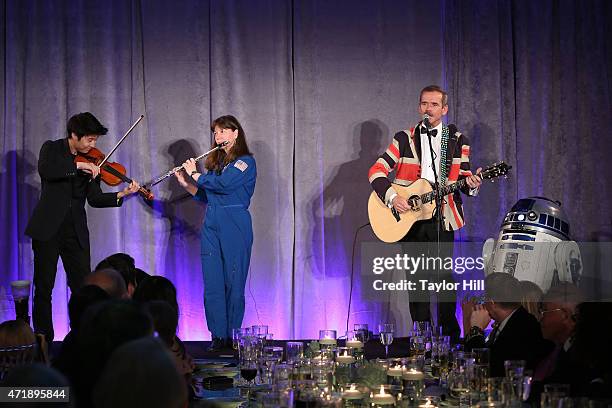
{"x": 248, "y": 371}
{"x": 553, "y": 394}
{"x": 362, "y": 332}
{"x": 386, "y": 335}
{"x": 272, "y": 355}
{"x": 481, "y": 356}
{"x": 514, "y": 368}
{"x": 259, "y": 329}
{"x": 459, "y": 384}
{"x": 295, "y": 351}
{"x": 418, "y": 346}
{"x": 440, "y": 356}
{"x": 237, "y": 335}
{"x": 421, "y": 328}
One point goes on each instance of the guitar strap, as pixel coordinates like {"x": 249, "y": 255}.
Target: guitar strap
{"x": 443, "y": 151}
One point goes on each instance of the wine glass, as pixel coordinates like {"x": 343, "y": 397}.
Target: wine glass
{"x": 386, "y": 335}
{"x": 248, "y": 371}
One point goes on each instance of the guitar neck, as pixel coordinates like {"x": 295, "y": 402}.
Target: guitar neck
{"x": 444, "y": 191}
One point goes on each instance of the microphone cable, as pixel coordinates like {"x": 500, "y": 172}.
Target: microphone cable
{"x": 348, "y": 313}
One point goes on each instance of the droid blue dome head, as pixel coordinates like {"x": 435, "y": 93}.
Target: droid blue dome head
{"x": 533, "y": 215}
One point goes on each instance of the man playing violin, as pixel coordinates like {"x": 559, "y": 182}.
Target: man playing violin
{"x": 58, "y": 225}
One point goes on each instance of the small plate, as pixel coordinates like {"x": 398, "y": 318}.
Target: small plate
{"x": 223, "y": 371}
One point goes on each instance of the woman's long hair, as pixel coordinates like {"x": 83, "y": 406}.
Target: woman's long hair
{"x": 219, "y": 159}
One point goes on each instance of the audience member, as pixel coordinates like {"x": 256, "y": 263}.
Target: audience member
{"x": 516, "y": 334}
{"x": 110, "y": 280}
{"x": 105, "y": 327}
{"x": 156, "y": 288}
{"x": 14, "y": 333}
{"x": 140, "y": 275}
{"x": 37, "y": 375}
{"x": 140, "y": 373}
{"x": 66, "y": 360}
{"x": 17, "y": 345}
{"x": 591, "y": 350}
{"x": 165, "y": 322}
{"x": 124, "y": 264}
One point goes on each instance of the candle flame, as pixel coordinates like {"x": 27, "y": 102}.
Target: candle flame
{"x": 352, "y": 387}
{"x": 382, "y": 390}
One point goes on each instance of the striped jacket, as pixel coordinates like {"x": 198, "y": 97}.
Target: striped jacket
{"x": 404, "y": 157}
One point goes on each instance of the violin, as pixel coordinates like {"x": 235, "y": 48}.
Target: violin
{"x": 111, "y": 173}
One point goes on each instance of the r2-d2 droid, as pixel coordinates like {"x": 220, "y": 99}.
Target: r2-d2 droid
{"x": 534, "y": 244}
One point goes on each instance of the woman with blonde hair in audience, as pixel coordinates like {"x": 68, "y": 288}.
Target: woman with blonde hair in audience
{"x": 17, "y": 345}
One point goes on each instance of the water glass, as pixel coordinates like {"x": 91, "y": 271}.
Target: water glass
{"x": 459, "y": 384}
{"x": 418, "y": 345}
{"x": 259, "y": 329}
{"x": 553, "y": 394}
{"x": 494, "y": 389}
{"x": 281, "y": 376}
{"x": 237, "y": 335}
{"x": 481, "y": 356}
{"x": 512, "y": 391}
{"x": 440, "y": 356}
{"x": 248, "y": 348}
{"x": 295, "y": 351}
{"x": 421, "y": 328}
{"x": 514, "y": 368}
{"x": 362, "y": 332}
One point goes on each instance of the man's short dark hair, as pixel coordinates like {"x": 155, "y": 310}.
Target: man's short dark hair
{"x": 503, "y": 289}
{"x": 156, "y": 288}
{"x": 122, "y": 263}
{"x": 83, "y": 124}
{"x": 435, "y": 88}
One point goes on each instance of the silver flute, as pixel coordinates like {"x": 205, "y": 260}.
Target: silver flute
{"x": 181, "y": 167}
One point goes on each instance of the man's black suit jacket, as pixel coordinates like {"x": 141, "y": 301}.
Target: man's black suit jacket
{"x": 63, "y": 190}
{"x": 520, "y": 339}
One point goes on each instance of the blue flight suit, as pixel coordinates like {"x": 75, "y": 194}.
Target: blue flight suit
{"x": 227, "y": 238}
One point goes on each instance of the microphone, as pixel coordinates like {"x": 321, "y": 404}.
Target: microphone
{"x": 426, "y": 121}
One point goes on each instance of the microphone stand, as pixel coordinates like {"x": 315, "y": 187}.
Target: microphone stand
{"x": 438, "y": 202}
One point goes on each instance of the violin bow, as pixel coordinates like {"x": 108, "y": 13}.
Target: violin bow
{"x": 121, "y": 141}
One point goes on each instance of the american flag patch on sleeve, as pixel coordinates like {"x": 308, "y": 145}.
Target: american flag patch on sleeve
{"x": 240, "y": 165}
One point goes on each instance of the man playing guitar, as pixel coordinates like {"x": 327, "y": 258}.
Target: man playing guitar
{"x": 409, "y": 154}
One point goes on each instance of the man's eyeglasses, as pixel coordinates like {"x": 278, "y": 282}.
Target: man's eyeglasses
{"x": 543, "y": 312}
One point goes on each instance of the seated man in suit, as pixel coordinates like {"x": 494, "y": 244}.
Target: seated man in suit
{"x": 516, "y": 334}
{"x": 558, "y": 321}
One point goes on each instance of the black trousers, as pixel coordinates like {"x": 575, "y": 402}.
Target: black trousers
{"x": 427, "y": 232}
{"x": 76, "y": 261}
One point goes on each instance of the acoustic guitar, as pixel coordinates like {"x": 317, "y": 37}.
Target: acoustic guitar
{"x": 391, "y": 226}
